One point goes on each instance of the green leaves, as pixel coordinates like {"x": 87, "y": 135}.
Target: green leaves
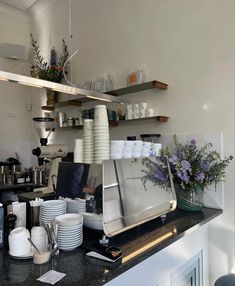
{"x": 41, "y": 69}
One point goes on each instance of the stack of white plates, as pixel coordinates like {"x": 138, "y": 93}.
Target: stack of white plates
{"x": 88, "y": 142}
{"x": 51, "y": 209}
{"x": 70, "y": 234}
{"x": 101, "y": 134}
{"x": 76, "y": 206}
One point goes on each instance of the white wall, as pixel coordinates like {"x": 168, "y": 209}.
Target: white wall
{"x": 15, "y": 127}
{"x": 14, "y": 29}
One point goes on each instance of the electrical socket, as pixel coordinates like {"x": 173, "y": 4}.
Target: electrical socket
{"x": 28, "y": 107}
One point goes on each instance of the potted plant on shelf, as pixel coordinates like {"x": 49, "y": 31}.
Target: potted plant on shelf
{"x": 52, "y": 71}
{"x": 193, "y": 170}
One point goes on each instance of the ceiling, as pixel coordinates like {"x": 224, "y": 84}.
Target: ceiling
{"x": 20, "y": 4}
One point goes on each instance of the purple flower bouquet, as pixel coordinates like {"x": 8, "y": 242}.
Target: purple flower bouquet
{"x": 193, "y": 169}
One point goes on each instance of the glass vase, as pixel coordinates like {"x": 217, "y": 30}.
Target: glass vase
{"x": 189, "y": 200}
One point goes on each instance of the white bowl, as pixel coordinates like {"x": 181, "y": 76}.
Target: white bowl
{"x": 69, "y": 219}
{"x": 118, "y": 143}
{"x": 129, "y": 143}
{"x": 93, "y": 221}
{"x": 116, "y": 155}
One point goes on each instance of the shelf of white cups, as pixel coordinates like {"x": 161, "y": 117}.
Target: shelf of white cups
{"x": 140, "y": 111}
{"x": 121, "y": 149}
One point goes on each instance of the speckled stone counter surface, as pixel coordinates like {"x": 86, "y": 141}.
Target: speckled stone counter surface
{"x": 86, "y": 271}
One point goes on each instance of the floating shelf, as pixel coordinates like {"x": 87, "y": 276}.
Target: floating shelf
{"x": 159, "y": 118}
{"x": 138, "y": 87}
{"x": 39, "y": 83}
{"x": 113, "y": 124}
{"x": 71, "y": 127}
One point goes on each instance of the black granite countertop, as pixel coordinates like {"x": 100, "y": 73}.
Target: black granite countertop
{"x": 86, "y": 271}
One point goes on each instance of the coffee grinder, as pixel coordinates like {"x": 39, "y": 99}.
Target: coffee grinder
{"x": 52, "y": 153}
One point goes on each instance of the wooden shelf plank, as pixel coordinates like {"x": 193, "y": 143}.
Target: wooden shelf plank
{"x": 162, "y": 118}
{"x": 48, "y": 107}
{"x": 73, "y": 102}
{"x": 159, "y": 118}
{"x": 138, "y": 87}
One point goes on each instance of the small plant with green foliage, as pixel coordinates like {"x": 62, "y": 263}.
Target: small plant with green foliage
{"x": 52, "y": 71}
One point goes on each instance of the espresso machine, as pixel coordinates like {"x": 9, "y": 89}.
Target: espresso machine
{"x": 48, "y": 153}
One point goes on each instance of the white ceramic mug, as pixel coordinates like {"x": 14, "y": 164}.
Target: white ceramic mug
{"x": 143, "y": 106}
{"x": 150, "y": 112}
{"x": 136, "y": 111}
{"x": 18, "y": 242}
{"x": 129, "y": 111}
{"x": 39, "y": 238}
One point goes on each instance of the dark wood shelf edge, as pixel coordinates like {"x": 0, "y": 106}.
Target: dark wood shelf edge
{"x": 138, "y": 87}
{"x": 159, "y": 118}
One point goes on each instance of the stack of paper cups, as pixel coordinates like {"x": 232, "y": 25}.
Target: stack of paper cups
{"x": 78, "y": 151}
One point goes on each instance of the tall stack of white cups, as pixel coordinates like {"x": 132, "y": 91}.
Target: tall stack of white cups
{"x": 78, "y": 151}
{"x": 88, "y": 142}
{"x": 101, "y": 134}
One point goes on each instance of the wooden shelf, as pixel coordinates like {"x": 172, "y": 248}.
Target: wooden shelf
{"x": 117, "y": 92}
{"x": 112, "y": 124}
{"x": 139, "y": 87}
{"x": 73, "y": 102}
{"x": 159, "y": 118}
{"x": 71, "y": 127}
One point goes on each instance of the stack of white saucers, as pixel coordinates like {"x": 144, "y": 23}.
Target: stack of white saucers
{"x": 51, "y": 209}
{"x": 101, "y": 134}
{"x": 76, "y": 206}
{"x": 88, "y": 142}
{"x": 70, "y": 234}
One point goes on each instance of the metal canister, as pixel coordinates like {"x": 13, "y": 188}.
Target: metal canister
{"x": 35, "y": 176}
{"x": 61, "y": 119}
{"x": 70, "y": 121}
{"x": 2, "y": 173}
